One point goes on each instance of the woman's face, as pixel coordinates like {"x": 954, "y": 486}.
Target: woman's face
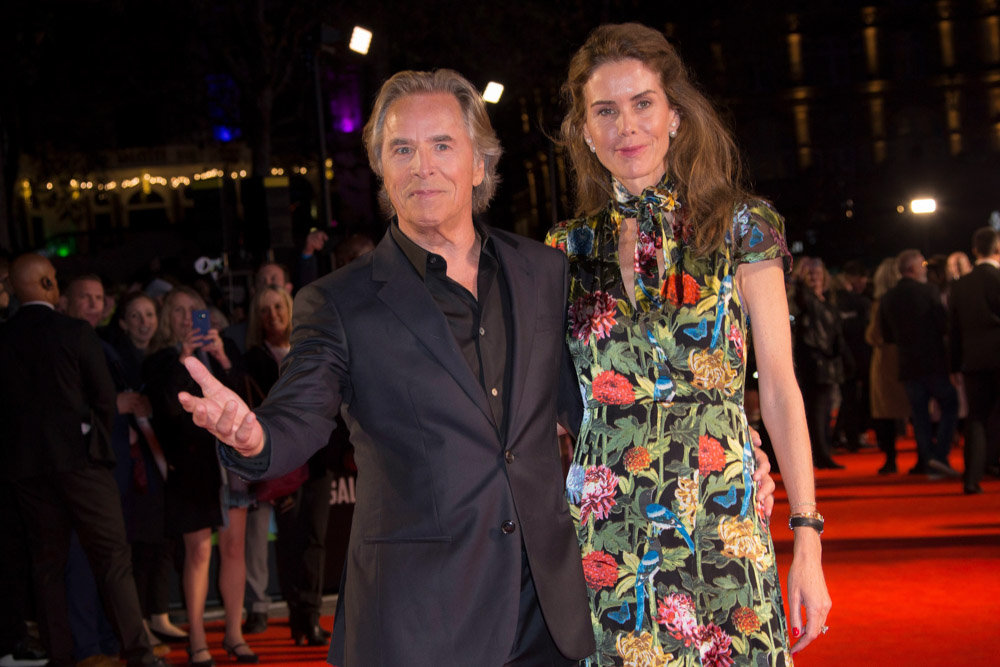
{"x": 140, "y": 322}
{"x": 273, "y": 315}
{"x": 628, "y": 122}
{"x": 179, "y": 315}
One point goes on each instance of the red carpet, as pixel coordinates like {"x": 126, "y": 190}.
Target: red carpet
{"x": 913, "y": 568}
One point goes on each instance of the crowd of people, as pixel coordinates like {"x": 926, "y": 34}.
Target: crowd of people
{"x": 454, "y": 349}
{"x": 151, "y": 490}
{"x": 916, "y": 344}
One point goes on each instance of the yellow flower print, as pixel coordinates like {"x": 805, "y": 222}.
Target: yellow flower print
{"x": 639, "y": 651}
{"x": 687, "y": 500}
{"x": 712, "y": 371}
{"x": 741, "y": 542}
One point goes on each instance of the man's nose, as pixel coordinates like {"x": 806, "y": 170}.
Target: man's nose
{"x": 422, "y": 163}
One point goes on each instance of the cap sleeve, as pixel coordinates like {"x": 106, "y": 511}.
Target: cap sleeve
{"x": 556, "y": 238}
{"x": 760, "y": 234}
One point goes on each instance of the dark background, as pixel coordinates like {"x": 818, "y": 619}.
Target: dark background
{"x": 845, "y": 111}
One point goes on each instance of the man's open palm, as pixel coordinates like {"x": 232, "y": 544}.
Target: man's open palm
{"x": 222, "y": 412}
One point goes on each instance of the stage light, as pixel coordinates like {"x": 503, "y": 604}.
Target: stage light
{"x": 493, "y": 92}
{"x": 923, "y": 206}
{"x": 361, "y": 39}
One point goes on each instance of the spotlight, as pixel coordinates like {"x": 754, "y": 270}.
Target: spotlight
{"x": 493, "y": 92}
{"x": 361, "y": 39}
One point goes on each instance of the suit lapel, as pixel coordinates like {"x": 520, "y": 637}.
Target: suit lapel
{"x": 407, "y": 297}
{"x": 523, "y": 306}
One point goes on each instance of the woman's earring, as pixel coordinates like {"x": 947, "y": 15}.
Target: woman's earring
{"x": 592, "y": 148}
{"x": 673, "y": 133}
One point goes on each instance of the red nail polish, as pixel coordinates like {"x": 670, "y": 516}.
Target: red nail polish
{"x": 795, "y": 632}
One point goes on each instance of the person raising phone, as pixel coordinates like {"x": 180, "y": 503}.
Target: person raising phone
{"x": 199, "y": 497}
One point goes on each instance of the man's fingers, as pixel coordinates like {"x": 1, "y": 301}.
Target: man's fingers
{"x": 227, "y": 419}
{"x": 202, "y": 376}
{"x": 246, "y": 430}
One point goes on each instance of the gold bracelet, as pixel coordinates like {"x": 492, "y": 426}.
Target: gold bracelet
{"x": 806, "y": 515}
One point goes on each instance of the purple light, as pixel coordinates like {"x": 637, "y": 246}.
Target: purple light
{"x": 347, "y": 125}
{"x": 344, "y": 100}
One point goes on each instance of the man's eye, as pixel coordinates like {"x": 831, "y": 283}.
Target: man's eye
{"x": 402, "y": 150}
{"x": 441, "y": 147}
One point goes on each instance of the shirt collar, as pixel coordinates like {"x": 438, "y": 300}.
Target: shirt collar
{"x": 39, "y": 303}
{"x": 988, "y": 260}
{"x": 419, "y": 257}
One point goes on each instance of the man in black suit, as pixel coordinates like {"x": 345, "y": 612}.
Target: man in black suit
{"x": 442, "y": 349}
{"x": 913, "y": 317}
{"x": 57, "y": 401}
{"x": 974, "y": 302}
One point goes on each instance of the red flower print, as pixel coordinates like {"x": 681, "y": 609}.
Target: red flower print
{"x": 593, "y": 313}
{"x": 611, "y": 388}
{"x": 600, "y": 484}
{"x": 600, "y": 570}
{"x": 676, "y": 615}
{"x": 746, "y": 621}
{"x": 690, "y": 290}
{"x": 714, "y": 645}
{"x": 737, "y": 339}
{"x": 636, "y": 459}
{"x": 711, "y": 458}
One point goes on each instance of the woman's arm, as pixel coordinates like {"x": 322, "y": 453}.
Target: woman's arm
{"x": 762, "y": 287}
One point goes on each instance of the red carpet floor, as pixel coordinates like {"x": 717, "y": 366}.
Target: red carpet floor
{"x": 913, "y": 567}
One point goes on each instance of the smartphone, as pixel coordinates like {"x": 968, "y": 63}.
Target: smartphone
{"x": 201, "y": 322}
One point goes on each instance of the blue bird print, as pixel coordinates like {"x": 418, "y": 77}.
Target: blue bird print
{"x": 748, "y": 463}
{"x": 648, "y": 567}
{"x": 663, "y": 389}
{"x": 725, "y": 294}
{"x": 662, "y": 519}
{"x": 697, "y": 332}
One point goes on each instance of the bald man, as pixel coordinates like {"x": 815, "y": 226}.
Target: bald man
{"x": 57, "y": 401}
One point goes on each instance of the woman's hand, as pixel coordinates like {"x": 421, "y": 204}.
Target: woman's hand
{"x": 222, "y": 412}
{"x": 807, "y": 588}
{"x": 212, "y": 343}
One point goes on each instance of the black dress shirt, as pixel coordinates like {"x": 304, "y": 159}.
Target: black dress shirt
{"x": 481, "y": 327}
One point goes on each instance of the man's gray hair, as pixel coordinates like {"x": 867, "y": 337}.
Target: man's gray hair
{"x": 485, "y": 144}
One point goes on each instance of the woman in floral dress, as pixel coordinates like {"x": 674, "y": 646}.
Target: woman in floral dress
{"x": 678, "y": 558}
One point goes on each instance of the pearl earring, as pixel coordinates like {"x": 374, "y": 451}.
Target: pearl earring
{"x": 592, "y": 148}
{"x": 673, "y": 133}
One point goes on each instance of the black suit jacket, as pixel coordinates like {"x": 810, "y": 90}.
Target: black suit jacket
{"x": 974, "y": 302}
{"x": 431, "y": 576}
{"x": 53, "y": 376}
{"x": 912, "y": 316}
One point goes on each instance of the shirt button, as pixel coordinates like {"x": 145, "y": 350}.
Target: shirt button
{"x": 482, "y": 331}
{"x": 507, "y": 527}
{"x": 494, "y": 391}
{"x": 508, "y": 456}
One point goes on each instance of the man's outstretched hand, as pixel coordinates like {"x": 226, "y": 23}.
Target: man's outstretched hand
{"x": 222, "y": 412}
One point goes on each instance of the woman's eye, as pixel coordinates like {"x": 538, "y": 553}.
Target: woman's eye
{"x": 643, "y": 104}
{"x": 606, "y": 111}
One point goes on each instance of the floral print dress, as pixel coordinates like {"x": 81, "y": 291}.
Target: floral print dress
{"x": 679, "y": 564}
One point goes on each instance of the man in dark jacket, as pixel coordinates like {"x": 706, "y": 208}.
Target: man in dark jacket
{"x": 975, "y": 342}
{"x": 57, "y": 402}
{"x": 913, "y": 317}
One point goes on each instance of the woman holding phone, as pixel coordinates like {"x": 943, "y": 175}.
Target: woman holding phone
{"x": 200, "y": 496}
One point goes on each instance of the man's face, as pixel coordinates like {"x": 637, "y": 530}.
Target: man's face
{"x": 429, "y": 165}
{"x": 271, "y": 275}
{"x": 85, "y": 301}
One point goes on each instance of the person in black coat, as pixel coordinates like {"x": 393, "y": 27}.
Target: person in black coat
{"x": 57, "y": 402}
{"x": 975, "y": 345}
{"x": 913, "y": 317}
{"x": 200, "y": 497}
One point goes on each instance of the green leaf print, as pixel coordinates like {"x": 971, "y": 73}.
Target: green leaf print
{"x": 727, "y": 583}
{"x": 740, "y": 644}
{"x": 612, "y": 537}
{"x": 674, "y": 558}
{"x": 624, "y": 586}
{"x": 714, "y": 421}
{"x": 630, "y": 563}
{"x": 618, "y": 356}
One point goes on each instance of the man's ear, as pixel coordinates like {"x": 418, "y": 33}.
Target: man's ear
{"x": 63, "y": 304}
